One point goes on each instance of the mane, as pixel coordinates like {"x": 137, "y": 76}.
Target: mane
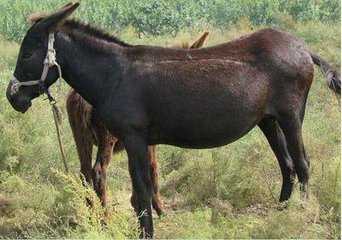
{"x": 75, "y": 26}
{"x": 79, "y": 29}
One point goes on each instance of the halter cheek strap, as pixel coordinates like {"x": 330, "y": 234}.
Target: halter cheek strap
{"x": 49, "y": 61}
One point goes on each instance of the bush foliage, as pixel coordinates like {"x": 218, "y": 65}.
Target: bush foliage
{"x": 159, "y": 17}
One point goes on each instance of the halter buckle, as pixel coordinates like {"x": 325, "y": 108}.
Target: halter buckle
{"x": 15, "y": 86}
{"x": 49, "y": 61}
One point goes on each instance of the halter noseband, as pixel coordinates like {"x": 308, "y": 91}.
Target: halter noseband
{"x": 49, "y": 61}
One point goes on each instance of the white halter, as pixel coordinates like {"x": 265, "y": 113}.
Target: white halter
{"x": 49, "y": 61}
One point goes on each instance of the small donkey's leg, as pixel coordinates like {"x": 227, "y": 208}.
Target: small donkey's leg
{"x": 84, "y": 145}
{"x": 277, "y": 141}
{"x": 139, "y": 167}
{"x": 76, "y": 108}
{"x": 156, "y": 202}
{"x": 106, "y": 143}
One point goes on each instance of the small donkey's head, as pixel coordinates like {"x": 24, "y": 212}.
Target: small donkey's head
{"x": 36, "y": 67}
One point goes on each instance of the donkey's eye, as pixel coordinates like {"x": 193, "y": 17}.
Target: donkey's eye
{"x": 27, "y": 54}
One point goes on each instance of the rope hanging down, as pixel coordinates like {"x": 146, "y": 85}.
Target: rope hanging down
{"x": 49, "y": 61}
{"x": 58, "y": 120}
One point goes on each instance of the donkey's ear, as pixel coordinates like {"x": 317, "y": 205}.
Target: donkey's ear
{"x": 51, "y": 22}
{"x": 67, "y": 5}
{"x": 200, "y": 42}
{"x": 38, "y": 16}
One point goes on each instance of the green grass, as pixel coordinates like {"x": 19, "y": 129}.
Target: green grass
{"x": 160, "y": 17}
{"x": 228, "y": 192}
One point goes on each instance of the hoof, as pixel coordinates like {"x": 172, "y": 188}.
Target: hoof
{"x": 282, "y": 205}
{"x": 97, "y": 178}
{"x": 304, "y": 193}
{"x": 90, "y": 203}
{"x": 160, "y": 212}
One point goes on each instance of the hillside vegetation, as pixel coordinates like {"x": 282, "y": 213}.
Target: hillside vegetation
{"x": 227, "y": 192}
{"x": 159, "y": 17}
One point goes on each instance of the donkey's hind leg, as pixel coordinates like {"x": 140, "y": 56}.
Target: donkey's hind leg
{"x": 291, "y": 124}
{"x": 156, "y": 202}
{"x": 277, "y": 141}
{"x": 139, "y": 168}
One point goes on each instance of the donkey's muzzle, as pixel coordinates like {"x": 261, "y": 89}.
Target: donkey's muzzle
{"x": 18, "y": 101}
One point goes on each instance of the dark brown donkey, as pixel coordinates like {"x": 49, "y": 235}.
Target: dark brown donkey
{"x": 88, "y": 131}
{"x": 191, "y": 98}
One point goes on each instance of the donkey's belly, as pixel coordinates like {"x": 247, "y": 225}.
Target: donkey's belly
{"x": 201, "y": 139}
{"x": 206, "y": 126}
{"x": 208, "y": 114}
{"x": 205, "y": 103}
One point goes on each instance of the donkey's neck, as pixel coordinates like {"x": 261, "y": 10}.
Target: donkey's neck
{"x": 90, "y": 72}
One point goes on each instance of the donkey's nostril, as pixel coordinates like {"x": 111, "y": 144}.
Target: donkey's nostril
{"x": 19, "y": 102}
{"x": 9, "y": 92}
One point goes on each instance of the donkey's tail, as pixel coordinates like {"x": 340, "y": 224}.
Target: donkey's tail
{"x": 332, "y": 76}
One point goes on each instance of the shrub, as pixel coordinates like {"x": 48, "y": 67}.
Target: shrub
{"x": 43, "y": 210}
{"x": 153, "y": 17}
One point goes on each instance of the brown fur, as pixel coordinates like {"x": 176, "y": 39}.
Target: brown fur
{"x": 89, "y": 131}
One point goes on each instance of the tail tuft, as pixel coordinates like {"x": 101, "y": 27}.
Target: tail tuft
{"x": 334, "y": 81}
{"x": 332, "y": 76}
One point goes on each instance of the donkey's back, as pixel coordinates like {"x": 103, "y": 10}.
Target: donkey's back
{"x": 269, "y": 43}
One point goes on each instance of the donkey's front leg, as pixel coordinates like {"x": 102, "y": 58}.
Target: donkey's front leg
{"x": 139, "y": 167}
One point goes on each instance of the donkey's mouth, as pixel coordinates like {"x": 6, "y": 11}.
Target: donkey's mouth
{"x": 23, "y": 107}
{"x": 20, "y": 102}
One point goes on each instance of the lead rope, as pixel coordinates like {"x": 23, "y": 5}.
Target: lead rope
{"x": 57, "y": 116}
{"x": 58, "y": 121}
{"x": 49, "y": 61}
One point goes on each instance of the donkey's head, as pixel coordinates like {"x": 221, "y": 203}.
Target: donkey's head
{"x": 36, "y": 67}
